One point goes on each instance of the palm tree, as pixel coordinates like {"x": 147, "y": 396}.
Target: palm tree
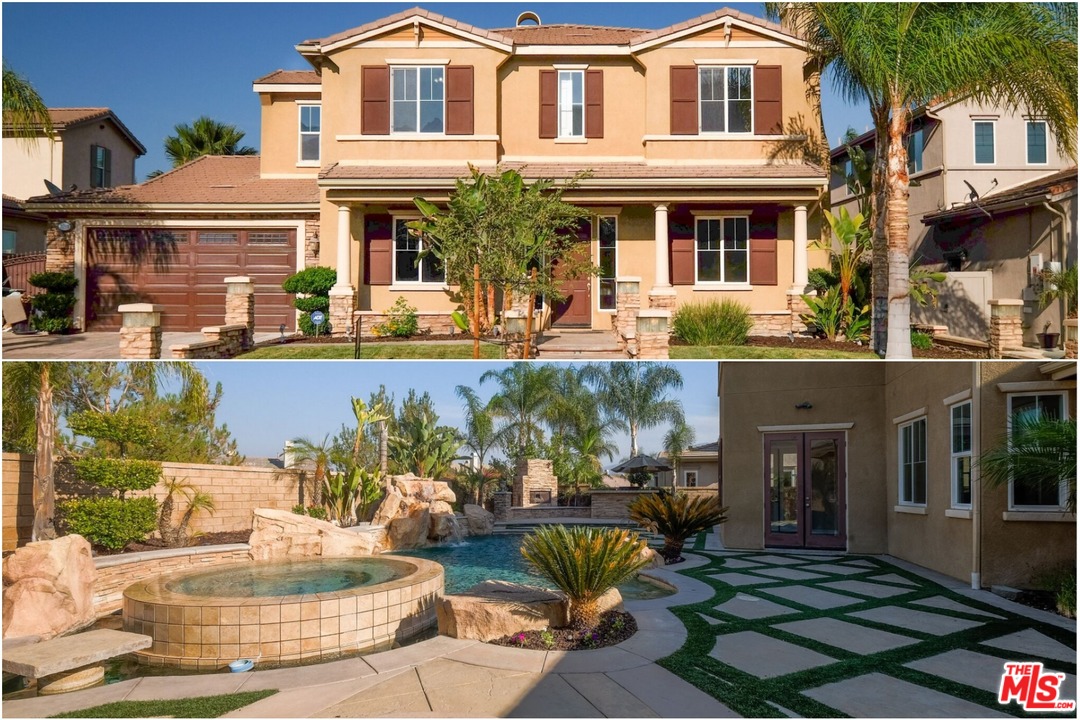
{"x": 306, "y": 450}
{"x": 205, "y": 136}
{"x": 524, "y": 392}
{"x": 676, "y": 441}
{"x": 1041, "y": 452}
{"x": 25, "y": 113}
{"x": 635, "y": 395}
{"x": 481, "y": 436}
{"x": 570, "y": 407}
{"x": 899, "y": 56}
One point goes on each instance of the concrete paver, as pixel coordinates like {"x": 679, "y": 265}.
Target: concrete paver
{"x": 784, "y": 573}
{"x": 579, "y": 661}
{"x": 778, "y": 560}
{"x": 552, "y": 696}
{"x": 893, "y": 578}
{"x": 166, "y": 688}
{"x": 302, "y": 702}
{"x": 47, "y": 706}
{"x": 835, "y": 569}
{"x": 812, "y": 597}
{"x": 748, "y": 607}
{"x": 1032, "y": 642}
{"x": 739, "y": 579}
{"x": 873, "y": 590}
{"x": 740, "y": 564}
{"x": 848, "y": 636}
{"x": 402, "y": 693}
{"x": 763, "y": 656}
{"x": 943, "y": 603}
{"x": 861, "y": 563}
{"x": 977, "y": 670}
{"x": 499, "y": 656}
{"x": 926, "y": 622}
{"x": 880, "y": 696}
{"x": 710, "y": 619}
{"x": 668, "y": 695}
{"x": 608, "y": 696}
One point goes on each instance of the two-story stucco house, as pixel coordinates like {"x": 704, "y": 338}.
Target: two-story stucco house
{"x": 963, "y": 157}
{"x": 686, "y": 130}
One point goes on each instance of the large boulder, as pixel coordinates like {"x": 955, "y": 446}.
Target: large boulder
{"x": 49, "y": 588}
{"x": 277, "y": 534}
{"x": 478, "y": 520}
{"x": 443, "y": 525}
{"x": 652, "y": 559}
{"x": 411, "y": 530}
{"x": 495, "y": 608}
{"x": 423, "y": 490}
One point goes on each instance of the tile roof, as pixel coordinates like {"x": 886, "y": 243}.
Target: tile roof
{"x": 64, "y": 117}
{"x": 225, "y": 179}
{"x": 290, "y": 77}
{"x": 414, "y": 12}
{"x": 600, "y": 171}
{"x": 1055, "y": 183}
{"x": 569, "y": 34}
{"x": 715, "y": 15}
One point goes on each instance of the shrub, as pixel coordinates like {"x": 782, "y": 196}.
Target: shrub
{"x": 401, "y": 320}
{"x": 55, "y": 282}
{"x": 52, "y": 309}
{"x": 584, "y": 563}
{"x": 1061, "y": 581}
{"x": 121, "y": 427}
{"x": 314, "y": 511}
{"x": 726, "y": 322}
{"x": 857, "y": 324}
{"x": 821, "y": 279}
{"x": 315, "y": 283}
{"x": 109, "y": 522}
{"x": 676, "y": 516}
{"x": 308, "y": 328}
{"x": 116, "y": 474}
{"x": 51, "y": 325}
{"x": 311, "y": 304}
{"x": 921, "y": 340}
{"x": 53, "y": 305}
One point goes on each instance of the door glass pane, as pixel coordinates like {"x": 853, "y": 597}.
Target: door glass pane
{"x": 784, "y": 487}
{"x": 824, "y": 487}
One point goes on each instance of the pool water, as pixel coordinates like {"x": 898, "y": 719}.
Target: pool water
{"x": 498, "y": 557}
{"x": 288, "y": 578}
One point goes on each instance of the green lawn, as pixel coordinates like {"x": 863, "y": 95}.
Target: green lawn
{"x": 752, "y": 352}
{"x": 388, "y": 351}
{"x": 201, "y": 707}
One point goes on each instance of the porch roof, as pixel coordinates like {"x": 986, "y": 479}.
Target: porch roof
{"x": 1034, "y": 192}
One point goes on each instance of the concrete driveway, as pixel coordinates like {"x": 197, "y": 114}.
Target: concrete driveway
{"x": 89, "y": 345}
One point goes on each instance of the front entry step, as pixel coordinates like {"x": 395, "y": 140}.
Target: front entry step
{"x": 578, "y": 345}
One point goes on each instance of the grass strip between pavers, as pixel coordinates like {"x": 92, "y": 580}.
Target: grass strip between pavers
{"x": 756, "y": 697}
{"x": 211, "y": 706}
{"x": 699, "y": 541}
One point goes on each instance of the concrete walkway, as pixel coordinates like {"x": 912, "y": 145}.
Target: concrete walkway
{"x": 90, "y": 345}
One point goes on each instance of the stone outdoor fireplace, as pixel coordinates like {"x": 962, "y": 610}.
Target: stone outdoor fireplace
{"x": 535, "y": 484}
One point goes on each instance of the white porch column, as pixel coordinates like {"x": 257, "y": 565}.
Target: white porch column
{"x": 660, "y": 238}
{"x": 801, "y": 277}
{"x": 344, "y": 237}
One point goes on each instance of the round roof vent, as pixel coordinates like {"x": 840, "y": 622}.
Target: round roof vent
{"x": 527, "y": 16}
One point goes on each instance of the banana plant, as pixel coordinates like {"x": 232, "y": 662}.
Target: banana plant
{"x": 340, "y": 494}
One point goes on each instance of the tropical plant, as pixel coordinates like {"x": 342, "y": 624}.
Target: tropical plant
{"x": 853, "y": 242}
{"x": 676, "y": 516}
{"x": 920, "y": 289}
{"x": 584, "y": 563}
{"x": 725, "y": 322}
{"x": 1061, "y": 581}
{"x": 341, "y": 493}
{"x": 826, "y": 315}
{"x": 524, "y": 391}
{"x": 1060, "y": 285}
{"x": 676, "y": 441}
{"x": 898, "y": 56}
{"x": 318, "y": 453}
{"x": 176, "y": 534}
{"x": 921, "y": 340}
{"x": 635, "y": 395}
{"x": 205, "y": 136}
{"x": 1039, "y": 451}
{"x": 24, "y": 111}
{"x": 420, "y": 445}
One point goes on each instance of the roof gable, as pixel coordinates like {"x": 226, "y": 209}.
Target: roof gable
{"x": 406, "y": 21}
{"x": 723, "y": 23}
{"x": 64, "y": 118}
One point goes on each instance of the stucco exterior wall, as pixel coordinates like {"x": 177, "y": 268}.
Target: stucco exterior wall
{"x": 28, "y": 162}
{"x": 30, "y": 234}
{"x": 77, "y": 142}
{"x": 280, "y": 148}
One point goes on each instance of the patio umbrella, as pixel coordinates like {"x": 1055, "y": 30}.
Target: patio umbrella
{"x": 641, "y": 462}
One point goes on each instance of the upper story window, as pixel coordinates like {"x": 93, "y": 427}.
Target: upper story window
{"x": 310, "y": 130}
{"x": 100, "y": 167}
{"x": 914, "y": 144}
{"x": 11, "y": 239}
{"x": 571, "y": 103}
{"x": 960, "y": 453}
{"x": 1036, "y": 142}
{"x": 409, "y": 267}
{"x": 607, "y": 235}
{"x": 912, "y": 447}
{"x": 849, "y": 176}
{"x": 726, "y": 99}
{"x": 1029, "y": 494}
{"x": 418, "y": 95}
{"x": 690, "y": 478}
{"x": 723, "y": 251}
{"x": 984, "y": 142}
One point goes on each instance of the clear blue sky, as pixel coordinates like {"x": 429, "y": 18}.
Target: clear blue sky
{"x": 159, "y": 64}
{"x": 268, "y": 402}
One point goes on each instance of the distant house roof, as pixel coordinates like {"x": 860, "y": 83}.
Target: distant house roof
{"x": 699, "y": 452}
{"x": 290, "y": 77}
{"x": 63, "y": 118}
{"x": 1032, "y": 192}
{"x": 14, "y": 207}
{"x": 210, "y": 179}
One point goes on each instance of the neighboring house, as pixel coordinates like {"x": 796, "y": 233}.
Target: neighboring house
{"x": 883, "y": 458}
{"x": 957, "y": 148}
{"x": 698, "y": 185}
{"x": 697, "y": 467}
{"x": 89, "y": 148}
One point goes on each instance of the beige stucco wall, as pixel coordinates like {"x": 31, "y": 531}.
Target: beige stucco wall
{"x": 30, "y": 234}
{"x": 77, "y": 142}
{"x": 280, "y": 150}
{"x": 707, "y": 471}
{"x": 28, "y": 162}
{"x": 753, "y": 394}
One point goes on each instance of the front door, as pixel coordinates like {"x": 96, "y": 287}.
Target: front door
{"x": 805, "y": 490}
{"x": 575, "y": 309}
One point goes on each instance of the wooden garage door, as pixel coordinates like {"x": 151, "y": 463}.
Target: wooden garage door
{"x": 184, "y": 270}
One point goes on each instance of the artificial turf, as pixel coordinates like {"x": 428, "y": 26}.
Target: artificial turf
{"x": 211, "y": 706}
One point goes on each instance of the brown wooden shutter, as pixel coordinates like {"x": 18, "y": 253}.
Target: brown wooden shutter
{"x": 549, "y": 103}
{"x": 594, "y": 103}
{"x": 683, "y": 260}
{"x": 459, "y": 100}
{"x": 763, "y": 259}
{"x": 768, "y": 100}
{"x": 378, "y": 250}
{"x": 375, "y": 100}
{"x": 684, "y": 100}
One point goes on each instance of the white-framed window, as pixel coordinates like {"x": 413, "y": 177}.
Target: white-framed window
{"x": 985, "y": 151}
{"x": 418, "y": 95}
{"x": 11, "y": 239}
{"x": 409, "y": 267}
{"x": 960, "y": 453}
{"x": 912, "y": 456}
{"x": 722, "y": 247}
{"x": 1036, "y": 496}
{"x": 607, "y": 236}
{"x": 725, "y": 99}
{"x": 310, "y": 132}
{"x": 100, "y": 166}
{"x": 1036, "y": 142}
{"x": 571, "y": 103}
{"x": 689, "y": 478}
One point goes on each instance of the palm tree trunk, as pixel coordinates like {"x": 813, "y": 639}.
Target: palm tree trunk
{"x": 633, "y": 439}
{"x": 584, "y": 614}
{"x": 44, "y": 492}
{"x": 879, "y": 280}
{"x": 384, "y": 441}
{"x": 899, "y": 339}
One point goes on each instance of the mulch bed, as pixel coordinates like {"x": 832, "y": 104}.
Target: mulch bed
{"x": 330, "y": 340}
{"x": 1038, "y": 599}
{"x": 811, "y": 343}
{"x": 615, "y": 626}
{"x": 217, "y": 538}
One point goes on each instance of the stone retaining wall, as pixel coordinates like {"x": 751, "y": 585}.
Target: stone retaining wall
{"x": 429, "y": 323}
{"x": 222, "y": 342}
{"x": 540, "y": 512}
{"x": 18, "y": 483}
{"x": 771, "y": 324}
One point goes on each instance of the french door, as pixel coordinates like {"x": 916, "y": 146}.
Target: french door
{"x": 805, "y": 490}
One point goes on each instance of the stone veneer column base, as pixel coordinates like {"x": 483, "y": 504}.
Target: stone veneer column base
{"x": 662, "y": 299}
{"x": 1006, "y": 325}
{"x": 240, "y": 307}
{"x": 342, "y": 305}
{"x": 796, "y": 308}
{"x": 140, "y": 343}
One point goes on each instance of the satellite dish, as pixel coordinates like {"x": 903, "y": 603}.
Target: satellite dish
{"x": 973, "y": 195}
{"x": 53, "y": 189}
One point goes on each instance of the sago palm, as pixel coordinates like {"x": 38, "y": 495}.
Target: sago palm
{"x": 676, "y": 516}
{"x": 205, "y": 136}
{"x": 584, "y": 563}
{"x": 635, "y": 395}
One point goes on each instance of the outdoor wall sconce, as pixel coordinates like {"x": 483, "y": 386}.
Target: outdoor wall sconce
{"x": 804, "y": 406}
{"x": 64, "y": 226}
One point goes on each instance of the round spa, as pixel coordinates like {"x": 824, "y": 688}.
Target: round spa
{"x": 283, "y": 611}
